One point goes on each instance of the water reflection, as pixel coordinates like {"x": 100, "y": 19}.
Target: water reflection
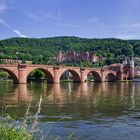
{"x": 94, "y": 109}
{"x": 79, "y": 100}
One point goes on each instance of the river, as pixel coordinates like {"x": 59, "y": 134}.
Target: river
{"x": 88, "y": 111}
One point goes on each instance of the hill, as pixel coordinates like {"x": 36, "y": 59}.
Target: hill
{"x": 43, "y": 50}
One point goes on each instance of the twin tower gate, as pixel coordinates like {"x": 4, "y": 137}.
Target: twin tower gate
{"x": 20, "y": 72}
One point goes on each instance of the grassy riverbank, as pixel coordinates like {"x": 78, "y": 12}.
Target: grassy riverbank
{"x": 10, "y": 132}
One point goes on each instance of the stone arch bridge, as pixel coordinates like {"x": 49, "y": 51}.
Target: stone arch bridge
{"x": 20, "y": 72}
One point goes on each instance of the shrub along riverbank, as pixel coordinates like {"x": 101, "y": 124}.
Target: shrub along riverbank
{"x": 9, "y": 132}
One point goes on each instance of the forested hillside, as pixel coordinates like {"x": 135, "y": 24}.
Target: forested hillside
{"x": 44, "y": 50}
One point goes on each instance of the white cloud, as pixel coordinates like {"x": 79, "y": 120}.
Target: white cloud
{"x": 2, "y": 22}
{"x": 51, "y": 16}
{"x": 54, "y": 19}
{"x": 68, "y": 25}
{"x": 92, "y": 20}
{"x": 59, "y": 16}
{"x": 4, "y": 6}
{"x": 19, "y": 33}
{"x": 33, "y": 15}
{"x": 13, "y": 30}
{"x": 135, "y": 25}
{"x": 131, "y": 26}
{"x": 41, "y": 16}
{"x": 124, "y": 36}
{"x": 59, "y": 21}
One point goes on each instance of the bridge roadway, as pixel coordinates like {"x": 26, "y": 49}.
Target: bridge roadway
{"x": 20, "y": 72}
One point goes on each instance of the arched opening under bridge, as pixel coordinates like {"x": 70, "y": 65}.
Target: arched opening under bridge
{"x": 6, "y": 74}
{"x": 40, "y": 75}
{"x": 94, "y": 76}
{"x": 110, "y": 77}
{"x": 70, "y": 75}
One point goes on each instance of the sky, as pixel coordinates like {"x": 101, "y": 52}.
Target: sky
{"x": 81, "y": 18}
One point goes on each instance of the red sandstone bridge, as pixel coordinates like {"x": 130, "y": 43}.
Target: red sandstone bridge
{"x": 20, "y": 72}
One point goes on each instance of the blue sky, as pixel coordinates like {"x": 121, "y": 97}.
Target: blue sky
{"x": 82, "y": 18}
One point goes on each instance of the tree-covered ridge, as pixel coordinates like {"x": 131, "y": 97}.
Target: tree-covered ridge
{"x": 43, "y": 50}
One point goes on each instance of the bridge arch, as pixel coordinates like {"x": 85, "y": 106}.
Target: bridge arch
{"x": 75, "y": 75}
{"x": 49, "y": 75}
{"x": 12, "y": 74}
{"x": 96, "y": 76}
{"x": 110, "y": 77}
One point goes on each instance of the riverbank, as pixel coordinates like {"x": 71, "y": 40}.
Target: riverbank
{"x": 10, "y": 132}
{"x": 134, "y": 80}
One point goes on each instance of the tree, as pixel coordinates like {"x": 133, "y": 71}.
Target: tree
{"x": 36, "y": 74}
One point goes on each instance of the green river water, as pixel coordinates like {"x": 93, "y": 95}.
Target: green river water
{"x": 88, "y": 111}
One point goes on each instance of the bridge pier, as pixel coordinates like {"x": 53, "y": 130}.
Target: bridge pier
{"x": 56, "y": 75}
{"x": 22, "y": 74}
{"x": 83, "y": 76}
{"x": 102, "y": 75}
{"x": 120, "y": 76}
